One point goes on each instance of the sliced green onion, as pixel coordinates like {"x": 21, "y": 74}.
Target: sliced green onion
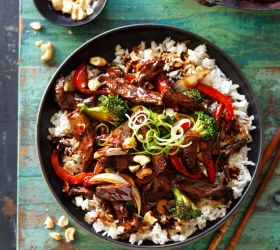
{"x": 153, "y": 143}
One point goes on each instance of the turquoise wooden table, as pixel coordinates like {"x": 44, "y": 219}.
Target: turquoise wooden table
{"x": 251, "y": 38}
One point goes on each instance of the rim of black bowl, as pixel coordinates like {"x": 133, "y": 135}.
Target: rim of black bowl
{"x": 46, "y": 9}
{"x": 247, "y": 5}
{"x": 254, "y": 109}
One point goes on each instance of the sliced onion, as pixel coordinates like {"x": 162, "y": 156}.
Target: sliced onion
{"x": 108, "y": 152}
{"x": 117, "y": 179}
{"x": 190, "y": 81}
{"x": 134, "y": 191}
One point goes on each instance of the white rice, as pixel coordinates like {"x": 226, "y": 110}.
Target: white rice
{"x": 198, "y": 59}
{"x": 62, "y": 128}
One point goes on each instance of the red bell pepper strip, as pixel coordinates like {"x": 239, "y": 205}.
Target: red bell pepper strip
{"x": 215, "y": 94}
{"x": 129, "y": 77}
{"x": 218, "y": 111}
{"x": 161, "y": 83}
{"x": 207, "y": 158}
{"x": 179, "y": 166}
{"x": 186, "y": 126}
{"x": 81, "y": 82}
{"x": 63, "y": 175}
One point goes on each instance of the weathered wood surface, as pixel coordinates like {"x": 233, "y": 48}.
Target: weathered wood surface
{"x": 8, "y": 121}
{"x": 251, "y": 38}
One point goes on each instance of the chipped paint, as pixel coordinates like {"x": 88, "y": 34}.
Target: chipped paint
{"x": 9, "y": 207}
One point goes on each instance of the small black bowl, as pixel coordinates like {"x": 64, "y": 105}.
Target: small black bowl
{"x": 57, "y": 17}
{"x": 104, "y": 45}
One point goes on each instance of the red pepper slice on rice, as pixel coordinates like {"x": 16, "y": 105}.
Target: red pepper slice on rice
{"x": 63, "y": 175}
{"x": 215, "y": 94}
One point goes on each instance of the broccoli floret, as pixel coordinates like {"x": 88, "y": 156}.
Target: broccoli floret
{"x": 182, "y": 206}
{"x": 112, "y": 109}
{"x": 194, "y": 94}
{"x": 205, "y": 125}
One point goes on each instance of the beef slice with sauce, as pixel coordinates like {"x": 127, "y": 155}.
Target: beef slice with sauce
{"x": 190, "y": 152}
{"x": 160, "y": 187}
{"x": 84, "y": 133}
{"x": 73, "y": 190}
{"x": 183, "y": 101}
{"x": 149, "y": 71}
{"x": 68, "y": 99}
{"x": 228, "y": 131}
{"x": 132, "y": 93}
{"x": 120, "y": 210}
{"x": 202, "y": 189}
{"x": 114, "y": 192}
{"x": 123, "y": 162}
{"x": 226, "y": 152}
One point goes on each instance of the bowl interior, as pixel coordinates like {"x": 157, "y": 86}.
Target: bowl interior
{"x": 57, "y": 17}
{"x": 104, "y": 45}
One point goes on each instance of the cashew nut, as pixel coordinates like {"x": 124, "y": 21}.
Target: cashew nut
{"x": 142, "y": 159}
{"x": 134, "y": 168}
{"x": 94, "y": 84}
{"x": 36, "y": 25}
{"x": 143, "y": 172}
{"x": 98, "y": 61}
{"x": 49, "y": 223}
{"x": 55, "y": 235}
{"x": 62, "y": 221}
{"x": 69, "y": 234}
{"x": 57, "y": 4}
{"x": 48, "y": 50}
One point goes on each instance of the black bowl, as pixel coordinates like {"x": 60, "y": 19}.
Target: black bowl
{"x": 57, "y": 17}
{"x": 104, "y": 45}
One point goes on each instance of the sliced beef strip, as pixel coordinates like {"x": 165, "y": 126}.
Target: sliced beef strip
{"x": 159, "y": 162}
{"x": 132, "y": 93}
{"x": 190, "y": 152}
{"x": 226, "y": 152}
{"x": 228, "y": 130}
{"x": 198, "y": 189}
{"x": 120, "y": 210}
{"x": 149, "y": 70}
{"x": 109, "y": 161}
{"x": 115, "y": 72}
{"x": 114, "y": 192}
{"x": 84, "y": 133}
{"x": 73, "y": 190}
{"x": 106, "y": 206}
{"x": 123, "y": 162}
{"x": 122, "y": 134}
{"x": 158, "y": 188}
{"x": 69, "y": 100}
{"x": 183, "y": 101}
{"x": 214, "y": 145}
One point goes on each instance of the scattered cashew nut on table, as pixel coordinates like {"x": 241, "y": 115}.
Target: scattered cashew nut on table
{"x": 48, "y": 50}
